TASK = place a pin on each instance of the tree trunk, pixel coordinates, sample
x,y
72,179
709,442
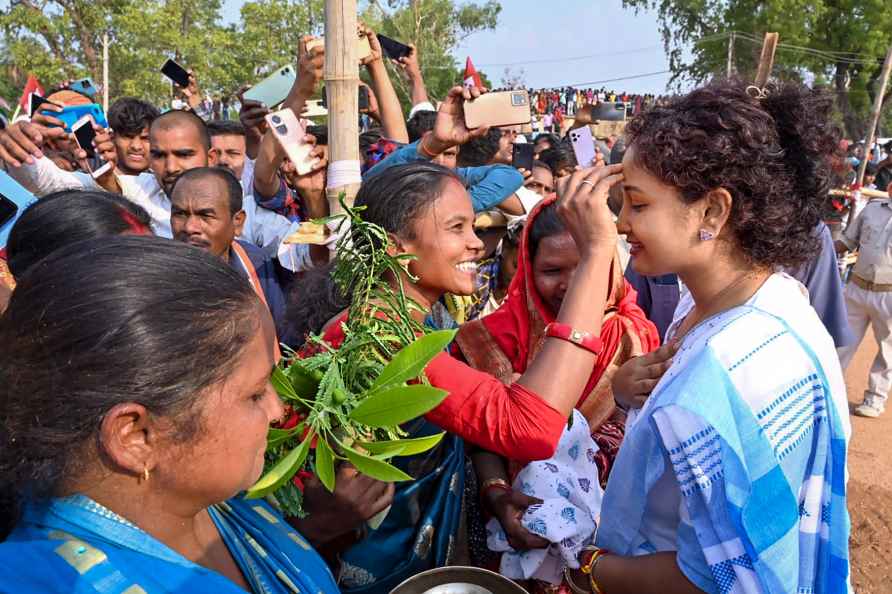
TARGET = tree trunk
x,y
854,127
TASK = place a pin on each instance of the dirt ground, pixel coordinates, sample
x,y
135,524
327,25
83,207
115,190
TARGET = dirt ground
x,y
870,485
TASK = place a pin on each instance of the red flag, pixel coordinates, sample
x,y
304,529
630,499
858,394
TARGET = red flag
x,y
32,86
471,78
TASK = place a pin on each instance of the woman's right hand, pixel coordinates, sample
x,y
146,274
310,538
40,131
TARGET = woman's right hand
x,y
509,507
582,205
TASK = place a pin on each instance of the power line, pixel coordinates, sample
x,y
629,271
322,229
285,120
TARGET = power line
x,y
575,58
607,80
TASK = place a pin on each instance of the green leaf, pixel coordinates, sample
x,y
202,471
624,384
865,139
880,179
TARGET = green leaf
x,y
282,471
282,384
278,436
393,406
325,464
412,359
376,469
403,447
303,380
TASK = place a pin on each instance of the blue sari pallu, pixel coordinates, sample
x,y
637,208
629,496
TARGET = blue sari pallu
x,y
420,530
75,545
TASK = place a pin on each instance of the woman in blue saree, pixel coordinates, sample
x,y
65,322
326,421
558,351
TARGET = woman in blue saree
x,y
135,403
731,478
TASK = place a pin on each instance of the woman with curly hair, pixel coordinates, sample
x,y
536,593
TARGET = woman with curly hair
x,y
732,476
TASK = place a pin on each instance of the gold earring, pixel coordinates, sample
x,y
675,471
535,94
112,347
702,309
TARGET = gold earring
x,y
145,473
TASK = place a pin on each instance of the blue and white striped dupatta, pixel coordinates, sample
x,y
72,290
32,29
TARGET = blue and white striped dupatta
x,y
746,437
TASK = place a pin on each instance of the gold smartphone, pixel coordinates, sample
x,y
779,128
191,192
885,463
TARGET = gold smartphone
x,y
506,108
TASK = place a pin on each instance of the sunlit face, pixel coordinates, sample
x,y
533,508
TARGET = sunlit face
x,y
448,158
658,225
446,247
226,456
175,150
541,181
553,267
200,215
230,150
132,151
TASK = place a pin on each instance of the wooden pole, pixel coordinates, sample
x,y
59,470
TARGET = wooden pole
x,y
105,72
342,86
874,121
766,60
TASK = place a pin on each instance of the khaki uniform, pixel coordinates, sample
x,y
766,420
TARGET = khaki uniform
x,y
869,293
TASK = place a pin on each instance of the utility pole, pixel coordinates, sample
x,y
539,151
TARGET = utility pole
x,y
105,89
730,54
342,84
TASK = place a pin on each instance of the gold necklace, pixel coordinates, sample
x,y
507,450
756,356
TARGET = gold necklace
x,y
716,299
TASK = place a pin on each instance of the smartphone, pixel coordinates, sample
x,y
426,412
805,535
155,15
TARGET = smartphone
x,y
290,133
522,156
35,101
273,89
314,109
14,199
363,49
363,98
85,86
71,114
176,73
393,48
583,146
506,108
84,134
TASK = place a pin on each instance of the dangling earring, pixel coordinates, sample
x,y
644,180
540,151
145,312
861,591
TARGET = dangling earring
x,y
145,473
706,235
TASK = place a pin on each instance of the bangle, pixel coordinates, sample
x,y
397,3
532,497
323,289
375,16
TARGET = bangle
x,y
494,483
590,567
580,338
424,152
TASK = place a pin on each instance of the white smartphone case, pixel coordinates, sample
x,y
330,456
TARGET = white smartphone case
x,y
583,146
290,134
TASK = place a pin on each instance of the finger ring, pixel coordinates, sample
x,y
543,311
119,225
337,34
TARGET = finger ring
x,y
585,181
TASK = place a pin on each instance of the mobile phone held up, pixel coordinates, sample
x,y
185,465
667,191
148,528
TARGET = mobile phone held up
x,y
583,146
506,108
393,48
14,199
73,113
522,156
289,132
363,48
84,86
273,89
84,134
176,73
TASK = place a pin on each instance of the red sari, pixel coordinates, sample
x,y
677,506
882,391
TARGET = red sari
x,y
506,341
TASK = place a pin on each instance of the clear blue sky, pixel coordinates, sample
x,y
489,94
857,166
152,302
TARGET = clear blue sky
x,y
621,43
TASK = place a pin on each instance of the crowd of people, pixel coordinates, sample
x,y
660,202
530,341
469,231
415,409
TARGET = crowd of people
x,y
644,392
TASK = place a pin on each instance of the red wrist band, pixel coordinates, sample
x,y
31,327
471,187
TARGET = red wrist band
x,y
585,340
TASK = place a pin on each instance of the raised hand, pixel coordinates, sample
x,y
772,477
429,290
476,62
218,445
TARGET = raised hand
x,y
23,142
450,129
636,378
582,205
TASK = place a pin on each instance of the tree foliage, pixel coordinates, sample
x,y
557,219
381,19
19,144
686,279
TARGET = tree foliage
x,y
62,39
840,43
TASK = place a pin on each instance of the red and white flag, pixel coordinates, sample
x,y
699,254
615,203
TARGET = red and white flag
x,y
32,86
471,78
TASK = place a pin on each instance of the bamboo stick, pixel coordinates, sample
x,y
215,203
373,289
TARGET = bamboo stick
x,y
342,86
766,61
